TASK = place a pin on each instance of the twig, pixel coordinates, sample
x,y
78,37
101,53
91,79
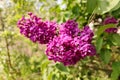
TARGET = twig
x,y
8,52
91,18
7,47
6,41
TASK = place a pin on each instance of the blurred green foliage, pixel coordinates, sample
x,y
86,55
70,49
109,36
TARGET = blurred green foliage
x,y
20,59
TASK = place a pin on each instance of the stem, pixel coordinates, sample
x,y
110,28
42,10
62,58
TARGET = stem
x,y
7,43
91,18
7,47
8,52
2,24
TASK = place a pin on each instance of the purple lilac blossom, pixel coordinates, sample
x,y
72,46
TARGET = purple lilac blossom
x,y
37,30
110,20
63,49
68,47
69,50
86,34
111,30
70,28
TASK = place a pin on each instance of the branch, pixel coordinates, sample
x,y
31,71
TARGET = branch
x,y
7,46
8,52
6,41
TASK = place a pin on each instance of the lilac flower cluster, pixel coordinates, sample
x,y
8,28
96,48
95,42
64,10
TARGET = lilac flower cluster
x,y
70,28
110,20
68,48
37,30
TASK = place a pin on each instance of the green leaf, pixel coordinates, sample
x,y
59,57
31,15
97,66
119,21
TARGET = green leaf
x,y
116,7
44,65
75,9
116,66
54,77
50,76
91,5
101,29
116,70
99,43
61,67
116,11
114,75
116,39
105,6
105,56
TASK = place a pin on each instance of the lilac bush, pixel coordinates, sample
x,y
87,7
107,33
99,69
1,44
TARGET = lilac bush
x,y
67,46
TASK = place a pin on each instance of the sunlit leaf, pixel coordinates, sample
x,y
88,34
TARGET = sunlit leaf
x,y
116,7
44,65
105,6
